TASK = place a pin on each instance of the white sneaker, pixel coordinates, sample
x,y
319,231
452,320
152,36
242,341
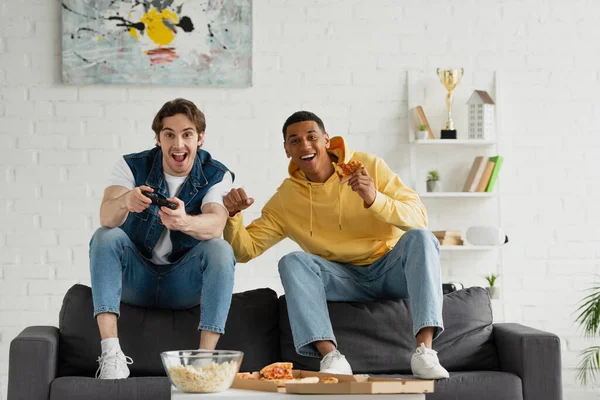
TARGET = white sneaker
x,y
426,365
113,365
335,363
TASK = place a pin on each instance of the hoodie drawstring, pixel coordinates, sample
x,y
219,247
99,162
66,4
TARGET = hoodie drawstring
x,y
311,207
340,207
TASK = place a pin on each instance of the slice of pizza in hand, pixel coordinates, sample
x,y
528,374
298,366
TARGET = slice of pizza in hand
x,y
278,370
345,171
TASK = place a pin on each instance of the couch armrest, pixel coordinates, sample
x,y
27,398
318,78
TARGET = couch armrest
x,y
32,365
534,356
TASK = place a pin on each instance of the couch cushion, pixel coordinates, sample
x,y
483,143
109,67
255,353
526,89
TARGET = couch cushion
x,y
252,327
488,385
376,337
77,388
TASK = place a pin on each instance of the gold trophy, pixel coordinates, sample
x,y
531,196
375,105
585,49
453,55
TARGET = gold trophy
x,y
450,78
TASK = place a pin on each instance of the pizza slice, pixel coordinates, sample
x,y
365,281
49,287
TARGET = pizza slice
x,y
244,375
278,370
283,382
345,171
330,379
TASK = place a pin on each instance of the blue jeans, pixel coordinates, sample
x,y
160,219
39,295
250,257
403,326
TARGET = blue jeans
x,y
410,270
204,275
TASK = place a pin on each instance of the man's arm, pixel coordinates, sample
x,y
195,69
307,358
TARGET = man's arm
x,y
119,201
205,226
263,233
387,197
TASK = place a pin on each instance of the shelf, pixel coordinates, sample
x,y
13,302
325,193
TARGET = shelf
x,y
455,142
467,248
456,194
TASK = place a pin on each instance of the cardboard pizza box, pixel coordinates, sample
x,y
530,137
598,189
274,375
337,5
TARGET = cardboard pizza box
x,y
255,384
347,384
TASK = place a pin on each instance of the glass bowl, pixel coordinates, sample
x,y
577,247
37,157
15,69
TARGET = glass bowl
x,y
202,371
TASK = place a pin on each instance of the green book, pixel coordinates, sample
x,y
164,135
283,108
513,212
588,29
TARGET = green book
x,y
497,165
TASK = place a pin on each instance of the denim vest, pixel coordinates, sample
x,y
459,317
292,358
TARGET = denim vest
x,y
144,229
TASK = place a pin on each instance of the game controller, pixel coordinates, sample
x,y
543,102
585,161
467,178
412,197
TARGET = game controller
x,y
159,200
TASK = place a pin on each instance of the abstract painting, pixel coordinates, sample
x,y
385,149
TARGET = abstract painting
x,y
169,42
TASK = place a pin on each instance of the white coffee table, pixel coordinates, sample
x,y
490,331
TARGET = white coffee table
x,y
244,394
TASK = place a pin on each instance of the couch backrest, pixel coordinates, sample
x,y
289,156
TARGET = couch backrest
x,y
377,337
252,327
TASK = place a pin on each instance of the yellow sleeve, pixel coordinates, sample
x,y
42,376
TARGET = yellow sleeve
x,y
263,233
395,203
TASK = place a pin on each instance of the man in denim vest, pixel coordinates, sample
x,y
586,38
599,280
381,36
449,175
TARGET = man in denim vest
x,y
153,256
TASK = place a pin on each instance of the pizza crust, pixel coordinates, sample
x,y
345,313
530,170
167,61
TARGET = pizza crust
x,y
345,171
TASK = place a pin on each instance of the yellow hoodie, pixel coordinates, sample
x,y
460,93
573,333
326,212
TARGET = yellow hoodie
x,y
328,219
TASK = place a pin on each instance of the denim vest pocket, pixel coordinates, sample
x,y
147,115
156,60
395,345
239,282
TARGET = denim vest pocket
x,y
143,215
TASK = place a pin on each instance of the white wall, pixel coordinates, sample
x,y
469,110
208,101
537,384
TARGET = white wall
x,y
347,61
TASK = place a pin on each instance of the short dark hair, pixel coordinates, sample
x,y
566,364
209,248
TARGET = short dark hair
x,y
301,116
179,106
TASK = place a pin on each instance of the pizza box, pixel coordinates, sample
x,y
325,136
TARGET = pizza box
x,y
347,384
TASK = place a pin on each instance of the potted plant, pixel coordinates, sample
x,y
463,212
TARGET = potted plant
x,y
433,182
492,288
589,317
422,132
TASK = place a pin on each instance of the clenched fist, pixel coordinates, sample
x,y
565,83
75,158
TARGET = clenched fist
x,y
135,201
237,200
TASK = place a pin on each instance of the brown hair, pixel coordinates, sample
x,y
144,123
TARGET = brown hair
x,y
179,106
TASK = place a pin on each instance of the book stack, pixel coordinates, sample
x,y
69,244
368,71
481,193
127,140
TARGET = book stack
x,y
449,238
483,174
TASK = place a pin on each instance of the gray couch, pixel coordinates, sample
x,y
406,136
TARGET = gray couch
x,y
485,360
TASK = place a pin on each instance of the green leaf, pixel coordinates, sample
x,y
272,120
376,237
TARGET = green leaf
x,y
589,365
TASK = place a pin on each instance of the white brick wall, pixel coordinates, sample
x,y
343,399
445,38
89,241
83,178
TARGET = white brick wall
x,y
347,61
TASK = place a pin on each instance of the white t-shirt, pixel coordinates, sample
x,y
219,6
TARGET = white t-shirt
x,y
122,176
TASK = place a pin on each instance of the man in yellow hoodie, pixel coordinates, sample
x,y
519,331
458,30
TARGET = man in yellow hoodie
x,y
362,241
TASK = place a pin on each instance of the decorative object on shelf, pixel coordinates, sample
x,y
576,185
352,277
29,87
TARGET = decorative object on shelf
x,y
483,174
420,114
433,182
175,42
498,161
481,115
450,78
492,289
475,174
449,238
422,133
588,368
484,235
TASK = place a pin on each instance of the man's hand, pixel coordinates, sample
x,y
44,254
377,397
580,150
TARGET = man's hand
x,y
135,201
174,220
362,183
237,200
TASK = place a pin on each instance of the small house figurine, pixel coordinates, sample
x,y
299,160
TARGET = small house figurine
x,y
481,115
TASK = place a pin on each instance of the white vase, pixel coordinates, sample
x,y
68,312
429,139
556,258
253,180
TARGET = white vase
x,y
493,292
434,186
422,135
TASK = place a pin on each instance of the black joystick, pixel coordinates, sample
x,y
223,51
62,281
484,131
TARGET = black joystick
x,y
159,200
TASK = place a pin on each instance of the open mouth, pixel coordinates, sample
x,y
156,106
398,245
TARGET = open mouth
x,y
308,157
179,157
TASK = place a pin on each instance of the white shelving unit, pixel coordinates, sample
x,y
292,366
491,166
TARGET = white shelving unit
x,y
457,194
454,142
453,209
468,248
